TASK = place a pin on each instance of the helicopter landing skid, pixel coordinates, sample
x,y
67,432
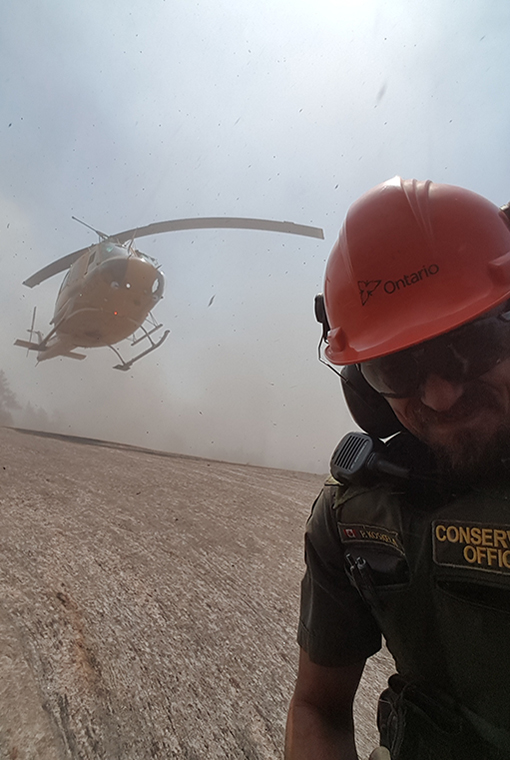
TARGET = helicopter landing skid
x,y
147,333
124,366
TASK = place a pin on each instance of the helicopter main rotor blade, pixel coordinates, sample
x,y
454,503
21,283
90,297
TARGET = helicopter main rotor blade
x,y
174,225
219,222
60,265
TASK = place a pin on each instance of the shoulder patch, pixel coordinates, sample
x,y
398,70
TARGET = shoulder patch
x,y
477,546
373,534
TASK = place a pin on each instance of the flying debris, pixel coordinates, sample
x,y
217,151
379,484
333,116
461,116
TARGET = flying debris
x,y
111,288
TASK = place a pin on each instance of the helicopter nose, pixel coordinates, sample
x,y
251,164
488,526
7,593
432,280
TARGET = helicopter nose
x,y
114,271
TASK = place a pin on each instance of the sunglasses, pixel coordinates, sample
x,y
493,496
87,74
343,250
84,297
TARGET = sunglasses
x,y
461,355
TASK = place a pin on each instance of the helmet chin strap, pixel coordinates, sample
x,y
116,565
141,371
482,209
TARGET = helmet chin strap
x,y
368,408
323,361
322,319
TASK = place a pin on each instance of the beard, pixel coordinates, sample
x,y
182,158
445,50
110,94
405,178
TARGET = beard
x,y
468,453
470,460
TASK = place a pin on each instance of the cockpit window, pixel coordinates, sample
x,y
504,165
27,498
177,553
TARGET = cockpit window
x,y
108,250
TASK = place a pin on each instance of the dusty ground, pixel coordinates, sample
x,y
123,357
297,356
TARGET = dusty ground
x,y
148,604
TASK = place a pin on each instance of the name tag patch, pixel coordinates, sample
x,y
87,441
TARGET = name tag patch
x,y
472,545
371,534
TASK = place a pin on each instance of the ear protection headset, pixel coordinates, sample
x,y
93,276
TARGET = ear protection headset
x,y
368,408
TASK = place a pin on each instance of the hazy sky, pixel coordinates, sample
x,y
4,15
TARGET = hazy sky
x,y
126,112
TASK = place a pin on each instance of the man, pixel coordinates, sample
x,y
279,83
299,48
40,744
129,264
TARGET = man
x,y
417,310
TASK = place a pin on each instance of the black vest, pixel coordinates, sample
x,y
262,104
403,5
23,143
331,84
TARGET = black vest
x,y
435,570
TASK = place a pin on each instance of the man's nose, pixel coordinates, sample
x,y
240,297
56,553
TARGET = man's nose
x,y
440,394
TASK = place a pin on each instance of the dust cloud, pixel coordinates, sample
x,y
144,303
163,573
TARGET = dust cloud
x,y
226,405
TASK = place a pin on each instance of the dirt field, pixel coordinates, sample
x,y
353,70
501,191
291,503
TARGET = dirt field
x,y
148,604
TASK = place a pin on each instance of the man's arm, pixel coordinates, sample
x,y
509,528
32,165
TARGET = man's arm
x,y
319,724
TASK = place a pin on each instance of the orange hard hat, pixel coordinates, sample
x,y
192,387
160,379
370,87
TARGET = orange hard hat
x,y
413,260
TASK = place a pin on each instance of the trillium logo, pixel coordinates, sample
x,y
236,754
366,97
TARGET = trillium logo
x,y
366,288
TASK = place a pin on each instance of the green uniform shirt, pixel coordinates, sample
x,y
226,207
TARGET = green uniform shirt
x,y
437,587
336,627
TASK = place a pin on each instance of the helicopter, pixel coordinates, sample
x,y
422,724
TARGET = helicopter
x,y
111,288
